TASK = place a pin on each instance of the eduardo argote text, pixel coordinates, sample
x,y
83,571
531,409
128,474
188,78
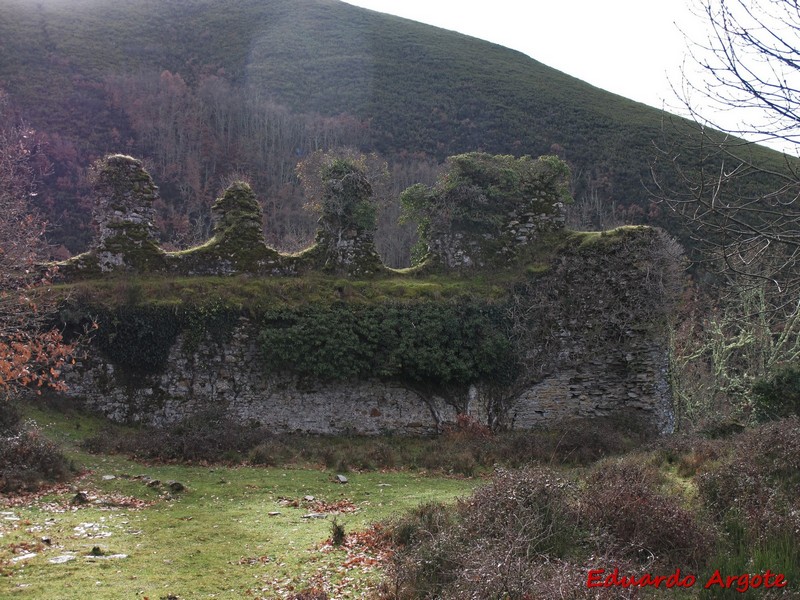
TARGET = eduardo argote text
x,y
741,583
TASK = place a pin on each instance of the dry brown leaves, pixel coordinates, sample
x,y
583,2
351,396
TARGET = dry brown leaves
x,y
62,494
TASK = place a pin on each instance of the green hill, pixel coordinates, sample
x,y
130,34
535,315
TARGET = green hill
x,y
253,85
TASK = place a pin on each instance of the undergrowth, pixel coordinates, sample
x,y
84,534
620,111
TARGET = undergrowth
x,y
460,450
689,503
27,458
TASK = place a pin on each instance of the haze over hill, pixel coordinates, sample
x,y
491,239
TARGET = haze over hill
x,y
204,90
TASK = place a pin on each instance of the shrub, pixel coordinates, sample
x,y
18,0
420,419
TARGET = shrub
x,y
206,436
760,478
778,397
467,426
9,418
383,455
426,520
498,543
27,460
265,454
621,499
527,512
338,533
690,453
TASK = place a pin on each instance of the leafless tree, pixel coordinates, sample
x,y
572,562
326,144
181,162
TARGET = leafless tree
x,y
749,63
739,202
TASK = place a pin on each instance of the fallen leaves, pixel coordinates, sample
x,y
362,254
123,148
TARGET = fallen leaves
x,y
366,549
338,507
320,506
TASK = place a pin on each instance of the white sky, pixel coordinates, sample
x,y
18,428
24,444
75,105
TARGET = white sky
x,y
629,47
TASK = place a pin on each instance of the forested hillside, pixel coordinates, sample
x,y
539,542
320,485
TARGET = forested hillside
x,y
206,91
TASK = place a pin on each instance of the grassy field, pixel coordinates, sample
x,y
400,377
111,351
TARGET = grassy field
x,y
587,497
232,533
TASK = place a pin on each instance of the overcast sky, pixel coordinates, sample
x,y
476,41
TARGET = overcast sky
x,y
629,47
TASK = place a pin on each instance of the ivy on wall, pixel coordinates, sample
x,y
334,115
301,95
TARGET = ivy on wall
x,y
422,343
138,338
432,344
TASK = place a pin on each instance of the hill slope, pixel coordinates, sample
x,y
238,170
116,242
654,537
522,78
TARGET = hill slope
x,y
316,73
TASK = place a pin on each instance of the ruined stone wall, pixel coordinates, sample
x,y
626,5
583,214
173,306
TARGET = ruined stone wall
x,y
586,317
124,194
486,209
591,339
231,376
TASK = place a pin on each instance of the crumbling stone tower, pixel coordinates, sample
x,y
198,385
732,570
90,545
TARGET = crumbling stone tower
x,y
486,209
345,239
124,195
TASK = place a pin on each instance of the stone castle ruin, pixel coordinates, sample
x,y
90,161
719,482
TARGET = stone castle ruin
x,y
575,326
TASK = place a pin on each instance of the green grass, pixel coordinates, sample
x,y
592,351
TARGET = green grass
x,y
278,292
215,540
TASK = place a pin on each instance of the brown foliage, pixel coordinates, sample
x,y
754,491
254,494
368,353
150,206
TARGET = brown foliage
x,y
31,354
621,498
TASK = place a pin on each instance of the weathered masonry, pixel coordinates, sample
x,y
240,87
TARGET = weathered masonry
x,y
510,318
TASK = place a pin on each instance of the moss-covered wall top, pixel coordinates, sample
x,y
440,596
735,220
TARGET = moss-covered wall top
x,y
483,211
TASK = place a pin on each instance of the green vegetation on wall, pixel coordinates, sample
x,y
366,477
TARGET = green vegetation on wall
x,y
429,344
137,338
482,194
442,346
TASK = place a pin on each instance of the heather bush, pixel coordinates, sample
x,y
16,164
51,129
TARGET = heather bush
x,y
27,460
622,499
495,544
528,513
759,477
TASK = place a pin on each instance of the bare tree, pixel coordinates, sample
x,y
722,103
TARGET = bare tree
x,y
749,63
739,201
